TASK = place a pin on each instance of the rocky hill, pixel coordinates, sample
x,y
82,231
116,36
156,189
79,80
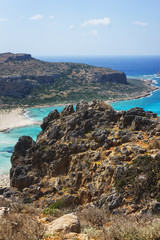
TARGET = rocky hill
x,y
26,80
92,155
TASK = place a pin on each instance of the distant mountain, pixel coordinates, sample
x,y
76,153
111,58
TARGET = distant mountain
x,y
26,80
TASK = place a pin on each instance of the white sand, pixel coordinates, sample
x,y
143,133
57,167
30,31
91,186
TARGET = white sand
x,y
4,181
14,118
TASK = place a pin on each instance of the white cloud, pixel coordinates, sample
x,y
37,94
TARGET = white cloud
x,y
3,20
96,22
71,26
36,17
51,17
94,32
140,23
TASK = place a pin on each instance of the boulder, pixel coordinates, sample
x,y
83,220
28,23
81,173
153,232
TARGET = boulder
x,y
3,211
66,223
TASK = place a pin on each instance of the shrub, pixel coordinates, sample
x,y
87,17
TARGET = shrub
x,y
93,216
53,208
21,223
141,178
133,228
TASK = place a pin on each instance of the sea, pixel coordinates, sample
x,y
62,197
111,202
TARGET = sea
x,y
135,67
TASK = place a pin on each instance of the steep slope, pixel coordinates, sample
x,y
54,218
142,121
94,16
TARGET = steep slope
x,y
94,154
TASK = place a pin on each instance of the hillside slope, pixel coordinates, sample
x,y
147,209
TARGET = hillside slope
x,y
26,80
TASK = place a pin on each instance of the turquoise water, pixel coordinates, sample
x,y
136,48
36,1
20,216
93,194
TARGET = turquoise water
x,y
38,114
135,67
149,103
7,142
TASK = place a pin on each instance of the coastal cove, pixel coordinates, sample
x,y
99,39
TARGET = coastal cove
x,y
33,115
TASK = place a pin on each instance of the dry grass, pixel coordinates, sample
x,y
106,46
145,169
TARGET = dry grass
x,y
98,225
133,228
93,216
20,223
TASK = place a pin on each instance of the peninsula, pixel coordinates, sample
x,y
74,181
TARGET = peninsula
x,y
26,81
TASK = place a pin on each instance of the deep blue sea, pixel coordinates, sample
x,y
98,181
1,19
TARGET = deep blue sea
x,y
143,67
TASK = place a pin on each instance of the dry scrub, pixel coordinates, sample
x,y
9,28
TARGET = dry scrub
x,y
97,224
20,223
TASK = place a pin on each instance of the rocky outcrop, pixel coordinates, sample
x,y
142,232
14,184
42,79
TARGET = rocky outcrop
x,y
18,57
113,77
92,155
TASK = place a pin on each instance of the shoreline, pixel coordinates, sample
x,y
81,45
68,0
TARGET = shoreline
x,y
145,94
14,118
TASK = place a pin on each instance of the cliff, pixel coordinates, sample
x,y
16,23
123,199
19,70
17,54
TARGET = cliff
x,y
92,155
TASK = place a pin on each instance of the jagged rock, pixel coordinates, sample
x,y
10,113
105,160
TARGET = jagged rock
x,y
66,223
44,123
23,144
136,111
82,106
155,208
67,110
54,114
82,155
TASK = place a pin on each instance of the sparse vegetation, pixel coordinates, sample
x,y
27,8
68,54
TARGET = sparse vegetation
x,y
20,222
141,177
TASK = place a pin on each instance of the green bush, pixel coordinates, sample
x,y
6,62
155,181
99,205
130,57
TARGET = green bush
x,y
53,208
141,178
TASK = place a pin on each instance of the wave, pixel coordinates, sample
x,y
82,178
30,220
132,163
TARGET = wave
x,y
26,115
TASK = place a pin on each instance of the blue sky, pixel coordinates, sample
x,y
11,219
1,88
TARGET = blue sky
x,y
80,27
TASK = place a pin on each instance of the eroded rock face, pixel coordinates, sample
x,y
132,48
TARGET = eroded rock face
x,y
94,154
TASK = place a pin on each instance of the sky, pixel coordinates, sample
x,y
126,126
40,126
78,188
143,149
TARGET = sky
x,y
80,27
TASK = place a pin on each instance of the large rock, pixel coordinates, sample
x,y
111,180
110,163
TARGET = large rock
x,y
66,223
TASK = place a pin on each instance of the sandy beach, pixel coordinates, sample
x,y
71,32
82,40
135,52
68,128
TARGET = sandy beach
x,y
14,118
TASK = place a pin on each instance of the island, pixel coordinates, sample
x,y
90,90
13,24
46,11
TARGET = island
x,y
26,81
